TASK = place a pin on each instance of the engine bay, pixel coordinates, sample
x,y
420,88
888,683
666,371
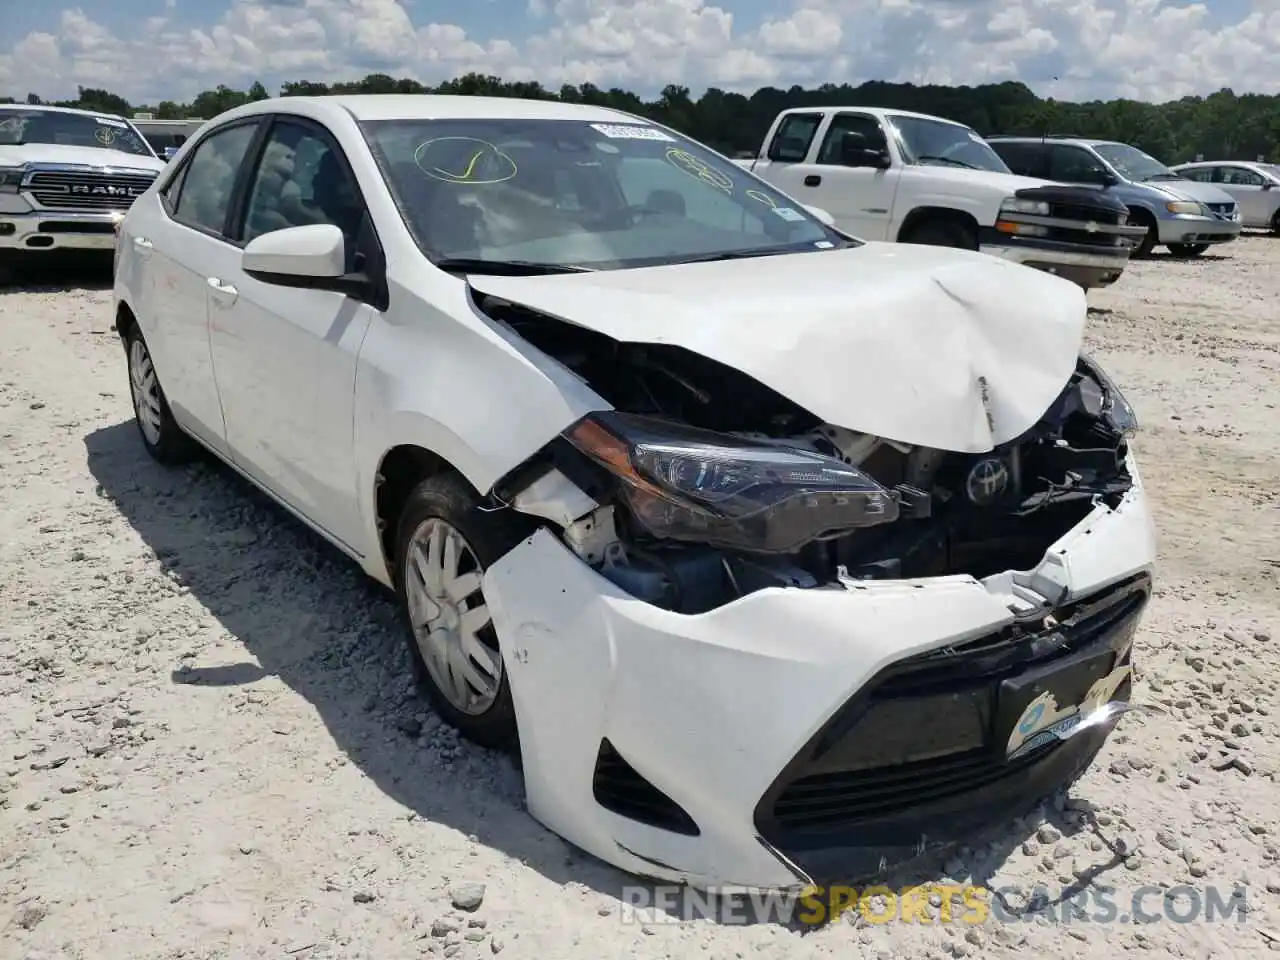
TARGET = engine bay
x,y
955,513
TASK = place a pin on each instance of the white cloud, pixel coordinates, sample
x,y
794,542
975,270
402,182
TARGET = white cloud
x,y
1145,49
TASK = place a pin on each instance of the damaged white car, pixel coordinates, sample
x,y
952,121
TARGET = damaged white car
x,y
779,556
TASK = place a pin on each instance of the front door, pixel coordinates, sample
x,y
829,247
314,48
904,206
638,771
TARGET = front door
x,y
286,356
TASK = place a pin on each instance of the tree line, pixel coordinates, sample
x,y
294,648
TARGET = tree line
x,y
1221,126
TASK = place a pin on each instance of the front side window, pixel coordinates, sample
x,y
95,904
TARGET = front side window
x,y
1132,164
204,195
301,181
22,125
1024,159
863,127
946,144
1072,164
578,194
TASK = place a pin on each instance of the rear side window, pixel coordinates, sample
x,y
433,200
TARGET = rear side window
x,y
210,177
1024,159
795,133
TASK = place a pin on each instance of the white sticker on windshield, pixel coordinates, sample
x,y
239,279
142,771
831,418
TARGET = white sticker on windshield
x,y
622,131
112,123
824,244
788,213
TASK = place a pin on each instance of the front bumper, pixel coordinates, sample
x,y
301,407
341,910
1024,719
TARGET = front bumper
x,y
1096,263
51,230
664,743
1197,230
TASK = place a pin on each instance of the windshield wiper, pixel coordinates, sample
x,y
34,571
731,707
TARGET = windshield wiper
x,y
739,255
1167,175
958,163
509,268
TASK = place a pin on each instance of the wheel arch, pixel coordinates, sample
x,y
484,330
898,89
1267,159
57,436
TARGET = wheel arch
x,y
935,214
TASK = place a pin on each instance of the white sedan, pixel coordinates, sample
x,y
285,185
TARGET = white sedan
x,y
1254,186
777,555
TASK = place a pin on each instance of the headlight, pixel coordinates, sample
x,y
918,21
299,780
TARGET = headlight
x,y
1115,408
1034,207
682,483
11,179
1186,207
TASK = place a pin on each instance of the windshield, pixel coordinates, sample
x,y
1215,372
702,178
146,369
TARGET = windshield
x,y
33,125
1132,164
572,193
946,144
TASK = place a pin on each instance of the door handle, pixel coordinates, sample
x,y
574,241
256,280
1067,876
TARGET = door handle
x,y
142,243
223,291
812,180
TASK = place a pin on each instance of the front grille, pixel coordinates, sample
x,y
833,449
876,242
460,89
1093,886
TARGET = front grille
x,y
922,737
86,190
1223,211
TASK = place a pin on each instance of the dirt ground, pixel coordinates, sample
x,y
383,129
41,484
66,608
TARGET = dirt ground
x,y
210,747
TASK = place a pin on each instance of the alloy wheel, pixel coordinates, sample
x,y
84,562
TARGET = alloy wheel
x,y
146,391
451,622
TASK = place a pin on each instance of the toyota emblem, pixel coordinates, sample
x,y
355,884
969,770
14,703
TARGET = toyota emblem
x,y
987,481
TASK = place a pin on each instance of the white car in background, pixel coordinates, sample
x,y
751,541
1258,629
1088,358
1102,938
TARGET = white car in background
x,y
1255,187
67,177
777,555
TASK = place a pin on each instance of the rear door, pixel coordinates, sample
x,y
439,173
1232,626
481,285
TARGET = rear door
x,y
183,245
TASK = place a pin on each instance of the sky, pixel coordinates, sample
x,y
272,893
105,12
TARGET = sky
x,y
149,50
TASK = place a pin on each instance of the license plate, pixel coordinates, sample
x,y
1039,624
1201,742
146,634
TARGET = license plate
x,y
1043,704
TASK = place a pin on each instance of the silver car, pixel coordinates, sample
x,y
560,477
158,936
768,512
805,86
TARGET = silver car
x,y
1255,187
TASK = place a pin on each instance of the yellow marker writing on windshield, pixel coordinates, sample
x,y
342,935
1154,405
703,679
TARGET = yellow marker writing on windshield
x,y
466,174
764,198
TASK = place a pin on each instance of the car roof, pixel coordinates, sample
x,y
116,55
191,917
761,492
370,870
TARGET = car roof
x,y
408,106
877,112
1218,163
49,108
1080,141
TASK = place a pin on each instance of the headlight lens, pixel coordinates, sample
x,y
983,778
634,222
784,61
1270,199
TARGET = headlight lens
x,y
1115,408
1185,207
11,179
682,483
1035,207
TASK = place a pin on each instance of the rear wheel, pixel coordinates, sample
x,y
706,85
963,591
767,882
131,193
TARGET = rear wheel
x,y
161,435
1184,251
444,544
1275,222
944,233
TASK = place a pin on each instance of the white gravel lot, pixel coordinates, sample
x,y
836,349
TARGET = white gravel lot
x,y
210,747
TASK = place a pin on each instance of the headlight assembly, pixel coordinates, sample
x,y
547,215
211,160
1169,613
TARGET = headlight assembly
x,y
1115,408
11,179
1035,207
1187,207
683,483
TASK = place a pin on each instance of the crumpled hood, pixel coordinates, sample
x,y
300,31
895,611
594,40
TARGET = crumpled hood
x,y
62,153
923,345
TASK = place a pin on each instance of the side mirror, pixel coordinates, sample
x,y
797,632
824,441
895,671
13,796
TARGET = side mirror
x,y
821,214
1101,175
310,256
854,152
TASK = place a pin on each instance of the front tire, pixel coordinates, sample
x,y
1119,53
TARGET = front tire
x,y
1141,218
164,440
1185,251
444,544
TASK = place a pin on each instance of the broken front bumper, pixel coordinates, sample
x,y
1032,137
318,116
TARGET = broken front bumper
x,y
762,744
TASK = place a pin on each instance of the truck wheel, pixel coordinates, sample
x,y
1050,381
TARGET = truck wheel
x,y
943,233
1184,251
1140,218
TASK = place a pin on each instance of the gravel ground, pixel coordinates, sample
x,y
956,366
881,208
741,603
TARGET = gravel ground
x,y
209,746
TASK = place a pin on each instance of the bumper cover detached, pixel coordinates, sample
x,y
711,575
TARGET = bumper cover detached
x,y
729,750
59,230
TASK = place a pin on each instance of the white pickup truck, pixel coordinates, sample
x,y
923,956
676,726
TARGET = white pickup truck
x,y
66,178
912,178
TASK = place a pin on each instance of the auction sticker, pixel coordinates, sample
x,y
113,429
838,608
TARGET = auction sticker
x,y
623,131
788,213
107,121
